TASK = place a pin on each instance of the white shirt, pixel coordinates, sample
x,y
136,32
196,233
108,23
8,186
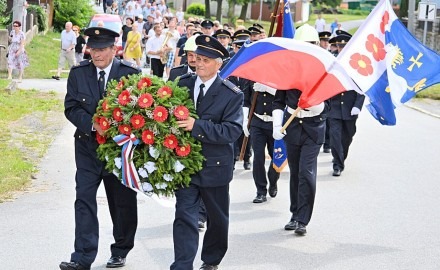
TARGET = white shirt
x,y
207,84
320,25
107,72
154,44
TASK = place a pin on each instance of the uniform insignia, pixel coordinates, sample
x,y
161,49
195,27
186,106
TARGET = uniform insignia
x,y
187,75
232,86
207,39
83,63
129,64
97,32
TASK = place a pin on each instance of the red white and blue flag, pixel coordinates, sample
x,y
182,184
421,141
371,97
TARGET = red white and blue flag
x,y
388,63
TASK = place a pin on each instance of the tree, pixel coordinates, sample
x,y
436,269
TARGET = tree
x,y
78,12
331,3
207,9
219,10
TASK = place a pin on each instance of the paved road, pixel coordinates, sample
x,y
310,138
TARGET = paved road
x,y
382,213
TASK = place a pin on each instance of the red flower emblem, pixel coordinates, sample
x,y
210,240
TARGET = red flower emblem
x,y
148,137
183,151
362,64
170,141
144,82
120,85
117,114
181,112
105,106
103,123
137,121
124,129
376,47
100,139
384,22
124,98
145,100
160,114
164,92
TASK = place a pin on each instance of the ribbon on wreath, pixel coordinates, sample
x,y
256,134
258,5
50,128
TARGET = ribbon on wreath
x,y
130,177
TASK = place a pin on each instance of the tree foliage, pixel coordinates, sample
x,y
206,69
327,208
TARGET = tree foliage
x,y
41,17
331,3
196,9
78,12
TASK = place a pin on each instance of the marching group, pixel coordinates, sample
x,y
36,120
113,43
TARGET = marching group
x,y
227,110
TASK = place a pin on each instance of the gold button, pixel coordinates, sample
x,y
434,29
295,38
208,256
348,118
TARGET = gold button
x,y
264,95
218,162
264,113
342,102
342,94
79,136
264,103
84,99
300,121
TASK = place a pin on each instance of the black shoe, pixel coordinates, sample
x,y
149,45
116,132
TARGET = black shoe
x,y
201,224
301,229
247,165
72,266
208,267
115,262
56,77
260,199
337,172
273,190
291,226
326,150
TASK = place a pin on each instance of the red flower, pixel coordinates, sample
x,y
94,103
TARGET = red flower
x,y
160,114
137,121
117,114
103,123
183,151
164,92
105,106
120,85
181,112
124,129
124,98
384,22
376,47
148,137
145,100
362,64
170,141
144,82
100,139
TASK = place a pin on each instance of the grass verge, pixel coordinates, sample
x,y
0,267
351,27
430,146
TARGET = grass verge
x,y
28,120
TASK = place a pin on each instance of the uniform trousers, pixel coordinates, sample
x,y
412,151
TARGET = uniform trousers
x,y
122,205
341,136
303,163
185,227
157,67
237,148
327,144
262,138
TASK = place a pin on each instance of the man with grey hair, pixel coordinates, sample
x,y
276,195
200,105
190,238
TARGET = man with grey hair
x,y
67,53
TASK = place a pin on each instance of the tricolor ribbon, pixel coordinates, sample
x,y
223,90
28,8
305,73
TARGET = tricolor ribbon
x,y
130,177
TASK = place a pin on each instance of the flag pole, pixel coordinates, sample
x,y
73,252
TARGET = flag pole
x,y
290,119
254,98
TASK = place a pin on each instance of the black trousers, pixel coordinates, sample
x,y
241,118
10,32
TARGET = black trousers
x,y
185,228
262,139
341,136
303,164
237,148
157,67
327,144
122,204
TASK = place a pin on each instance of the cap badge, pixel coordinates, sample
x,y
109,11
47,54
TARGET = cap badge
x,y
97,32
207,39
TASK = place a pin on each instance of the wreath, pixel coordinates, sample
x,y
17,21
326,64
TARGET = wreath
x,y
142,144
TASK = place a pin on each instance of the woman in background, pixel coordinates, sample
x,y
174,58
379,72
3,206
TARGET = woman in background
x,y
133,45
17,57
80,44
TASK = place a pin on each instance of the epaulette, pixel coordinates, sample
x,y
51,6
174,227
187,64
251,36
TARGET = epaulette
x,y
129,64
231,86
186,75
181,66
83,63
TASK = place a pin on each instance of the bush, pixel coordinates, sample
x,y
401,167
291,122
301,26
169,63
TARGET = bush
x,y
41,17
78,12
196,9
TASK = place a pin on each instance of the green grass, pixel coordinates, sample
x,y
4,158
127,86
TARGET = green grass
x,y
432,92
27,122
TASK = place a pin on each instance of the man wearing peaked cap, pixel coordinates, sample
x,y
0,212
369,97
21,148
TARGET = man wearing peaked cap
x,y
259,26
341,41
207,27
218,105
342,32
255,33
323,39
85,88
224,37
238,39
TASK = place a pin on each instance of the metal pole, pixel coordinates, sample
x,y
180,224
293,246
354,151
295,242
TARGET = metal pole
x,y
17,10
261,11
411,16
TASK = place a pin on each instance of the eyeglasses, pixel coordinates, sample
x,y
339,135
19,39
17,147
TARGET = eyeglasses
x,y
75,30
16,26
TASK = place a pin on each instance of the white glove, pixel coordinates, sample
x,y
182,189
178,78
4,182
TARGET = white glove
x,y
355,111
246,121
258,87
277,116
312,111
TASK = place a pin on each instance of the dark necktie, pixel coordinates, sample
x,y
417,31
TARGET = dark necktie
x,y
101,83
200,96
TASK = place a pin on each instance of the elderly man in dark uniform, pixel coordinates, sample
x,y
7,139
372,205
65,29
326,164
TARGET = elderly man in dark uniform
x,y
219,107
85,88
304,137
344,110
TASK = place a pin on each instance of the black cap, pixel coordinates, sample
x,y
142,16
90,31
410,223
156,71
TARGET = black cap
x,y
259,26
210,47
207,24
332,41
241,36
100,37
197,33
196,22
324,35
342,39
222,33
254,30
342,32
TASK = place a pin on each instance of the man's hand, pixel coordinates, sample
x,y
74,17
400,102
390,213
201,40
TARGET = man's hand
x,y
187,124
98,129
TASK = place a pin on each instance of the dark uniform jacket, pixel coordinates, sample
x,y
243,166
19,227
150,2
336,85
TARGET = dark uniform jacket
x,y
313,126
178,71
263,106
218,127
342,103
